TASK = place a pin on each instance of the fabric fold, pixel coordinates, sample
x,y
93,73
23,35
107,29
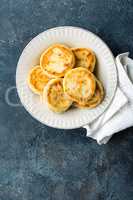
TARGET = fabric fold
x,y
119,114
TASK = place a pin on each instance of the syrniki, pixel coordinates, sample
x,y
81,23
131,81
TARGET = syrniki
x,y
79,84
57,60
55,97
85,57
37,80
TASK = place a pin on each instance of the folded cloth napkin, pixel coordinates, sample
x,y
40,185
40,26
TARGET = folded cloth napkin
x,y
119,114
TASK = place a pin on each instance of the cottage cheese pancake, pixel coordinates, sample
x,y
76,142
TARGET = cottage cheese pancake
x,y
85,57
79,84
57,60
37,80
55,97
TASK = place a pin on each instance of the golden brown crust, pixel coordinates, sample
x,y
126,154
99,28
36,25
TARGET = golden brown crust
x,y
55,97
37,80
57,60
79,84
96,99
85,57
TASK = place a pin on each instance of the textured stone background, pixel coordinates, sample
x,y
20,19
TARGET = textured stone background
x,y
42,163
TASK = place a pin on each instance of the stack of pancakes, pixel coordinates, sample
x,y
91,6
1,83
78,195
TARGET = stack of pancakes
x,y
65,77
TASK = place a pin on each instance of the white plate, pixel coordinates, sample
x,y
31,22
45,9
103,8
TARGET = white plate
x,y
75,37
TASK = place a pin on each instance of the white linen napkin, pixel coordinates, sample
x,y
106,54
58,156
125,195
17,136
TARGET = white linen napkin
x,y
119,114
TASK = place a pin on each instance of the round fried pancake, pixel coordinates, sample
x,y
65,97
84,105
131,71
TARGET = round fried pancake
x,y
37,80
55,97
96,99
79,84
85,57
57,60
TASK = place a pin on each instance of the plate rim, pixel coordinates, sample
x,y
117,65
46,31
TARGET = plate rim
x,y
111,98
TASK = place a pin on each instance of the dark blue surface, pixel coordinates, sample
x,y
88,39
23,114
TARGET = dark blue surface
x,y
42,163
